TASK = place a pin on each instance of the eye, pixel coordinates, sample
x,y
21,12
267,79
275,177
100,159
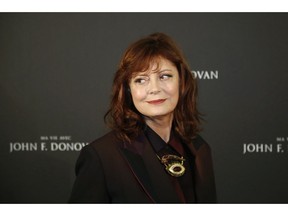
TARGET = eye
x,y
165,76
141,80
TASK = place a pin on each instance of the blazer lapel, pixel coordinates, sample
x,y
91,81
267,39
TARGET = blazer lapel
x,y
149,172
203,171
137,166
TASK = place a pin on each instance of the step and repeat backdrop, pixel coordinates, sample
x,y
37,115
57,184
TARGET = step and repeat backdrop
x,y
56,72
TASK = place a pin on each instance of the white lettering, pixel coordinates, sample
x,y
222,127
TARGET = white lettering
x,y
23,146
205,74
67,146
43,146
279,148
258,147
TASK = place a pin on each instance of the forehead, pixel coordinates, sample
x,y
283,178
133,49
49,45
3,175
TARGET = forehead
x,y
156,65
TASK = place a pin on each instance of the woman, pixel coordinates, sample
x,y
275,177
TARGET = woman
x,y
154,153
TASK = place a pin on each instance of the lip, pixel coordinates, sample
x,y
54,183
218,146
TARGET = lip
x,y
155,102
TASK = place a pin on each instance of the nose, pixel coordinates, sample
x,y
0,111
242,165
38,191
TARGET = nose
x,y
154,86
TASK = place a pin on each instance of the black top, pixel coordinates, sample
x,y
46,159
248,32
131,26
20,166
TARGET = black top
x,y
184,185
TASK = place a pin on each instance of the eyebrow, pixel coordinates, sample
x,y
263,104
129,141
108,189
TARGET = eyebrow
x,y
146,74
163,70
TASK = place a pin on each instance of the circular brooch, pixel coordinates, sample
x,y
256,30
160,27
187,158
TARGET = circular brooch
x,y
173,164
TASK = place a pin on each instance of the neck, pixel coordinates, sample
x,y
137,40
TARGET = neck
x,y
161,125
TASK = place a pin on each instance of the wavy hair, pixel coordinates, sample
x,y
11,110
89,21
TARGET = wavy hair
x,y
122,115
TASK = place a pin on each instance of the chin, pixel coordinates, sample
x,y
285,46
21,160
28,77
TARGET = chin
x,y
157,114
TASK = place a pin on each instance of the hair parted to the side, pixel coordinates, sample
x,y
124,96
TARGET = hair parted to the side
x,y
122,115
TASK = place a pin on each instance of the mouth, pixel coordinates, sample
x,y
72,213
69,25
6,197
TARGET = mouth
x,y
155,102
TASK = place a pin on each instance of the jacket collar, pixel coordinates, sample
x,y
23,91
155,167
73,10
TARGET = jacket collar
x,y
148,171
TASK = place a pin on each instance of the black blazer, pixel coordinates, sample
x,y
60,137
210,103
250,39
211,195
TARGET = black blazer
x,y
111,171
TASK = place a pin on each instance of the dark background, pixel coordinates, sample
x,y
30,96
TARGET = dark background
x,y
56,72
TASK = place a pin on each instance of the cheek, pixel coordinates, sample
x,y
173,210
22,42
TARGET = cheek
x,y
138,94
173,90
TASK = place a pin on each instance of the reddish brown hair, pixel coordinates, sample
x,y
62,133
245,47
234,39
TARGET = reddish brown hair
x,y
124,117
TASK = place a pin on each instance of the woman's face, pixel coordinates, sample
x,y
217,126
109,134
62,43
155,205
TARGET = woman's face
x,y
155,92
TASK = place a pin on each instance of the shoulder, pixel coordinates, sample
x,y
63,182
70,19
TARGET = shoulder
x,y
101,149
199,142
200,146
110,137
105,143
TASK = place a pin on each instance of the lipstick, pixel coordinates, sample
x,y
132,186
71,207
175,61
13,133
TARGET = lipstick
x,y
155,102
